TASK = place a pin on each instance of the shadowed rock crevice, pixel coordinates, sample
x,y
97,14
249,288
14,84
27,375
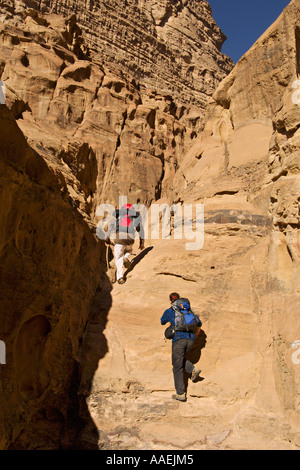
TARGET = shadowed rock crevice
x,y
51,267
28,355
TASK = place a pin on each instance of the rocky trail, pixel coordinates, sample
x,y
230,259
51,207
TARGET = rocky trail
x,y
129,395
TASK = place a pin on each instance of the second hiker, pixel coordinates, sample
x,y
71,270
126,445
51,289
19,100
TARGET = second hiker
x,y
121,233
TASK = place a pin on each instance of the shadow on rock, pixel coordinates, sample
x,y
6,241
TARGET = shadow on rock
x,y
93,348
194,355
137,259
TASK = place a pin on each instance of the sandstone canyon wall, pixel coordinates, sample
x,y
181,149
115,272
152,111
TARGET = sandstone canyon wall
x,y
244,168
51,266
76,84
245,165
127,101
81,126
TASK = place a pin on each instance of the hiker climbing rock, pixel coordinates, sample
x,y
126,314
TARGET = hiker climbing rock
x,y
184,324
121,233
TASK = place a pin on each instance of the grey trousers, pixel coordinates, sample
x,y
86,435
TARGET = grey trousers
x,y
180,363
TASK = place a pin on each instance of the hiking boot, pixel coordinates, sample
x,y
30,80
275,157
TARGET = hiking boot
x,y
195,374
179,397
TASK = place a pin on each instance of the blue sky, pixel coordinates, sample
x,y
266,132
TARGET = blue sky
x,y
244,21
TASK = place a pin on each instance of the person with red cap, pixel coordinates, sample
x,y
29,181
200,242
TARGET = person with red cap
x,y
121,233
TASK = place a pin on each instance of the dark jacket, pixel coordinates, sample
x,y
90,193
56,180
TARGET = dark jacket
x,y
169,316
125,234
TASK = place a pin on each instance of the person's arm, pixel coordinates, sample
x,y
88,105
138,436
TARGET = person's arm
x,y
140,229
111,228
108,231
167,316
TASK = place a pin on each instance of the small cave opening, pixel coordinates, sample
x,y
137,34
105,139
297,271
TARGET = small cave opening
x,y
27,353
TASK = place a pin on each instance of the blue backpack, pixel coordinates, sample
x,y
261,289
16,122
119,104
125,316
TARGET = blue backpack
x,y
185,318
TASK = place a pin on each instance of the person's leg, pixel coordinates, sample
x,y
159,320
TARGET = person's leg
x,y
178,360
119,255
127,253
189,366
180,364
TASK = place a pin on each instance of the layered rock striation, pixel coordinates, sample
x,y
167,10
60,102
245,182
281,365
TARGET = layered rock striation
x,y
117,130
244,282
169,45
124,101
87,118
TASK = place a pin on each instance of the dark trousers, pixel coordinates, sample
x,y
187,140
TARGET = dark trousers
x,y
180,363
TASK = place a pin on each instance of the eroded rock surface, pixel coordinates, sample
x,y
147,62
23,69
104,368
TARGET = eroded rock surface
x,y
244,282
170,45
95,114
105,117
51,267
94,119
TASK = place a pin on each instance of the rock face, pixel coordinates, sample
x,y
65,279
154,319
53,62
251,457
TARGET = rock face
x,y
170,45
117,131
103,116
51,267
244,282
88,129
